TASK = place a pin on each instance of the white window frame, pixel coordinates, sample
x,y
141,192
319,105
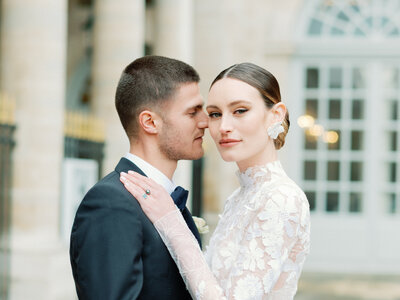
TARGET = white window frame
x,y
371,234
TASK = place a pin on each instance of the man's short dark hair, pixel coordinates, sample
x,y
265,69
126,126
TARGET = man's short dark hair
x,y
147,83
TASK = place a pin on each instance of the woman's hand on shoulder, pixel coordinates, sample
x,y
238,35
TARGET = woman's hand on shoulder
x,y
152,197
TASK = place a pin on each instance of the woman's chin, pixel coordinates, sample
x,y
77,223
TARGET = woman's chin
x,y
228,158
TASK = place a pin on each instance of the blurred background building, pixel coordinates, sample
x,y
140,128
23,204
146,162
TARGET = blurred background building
x,y
338,64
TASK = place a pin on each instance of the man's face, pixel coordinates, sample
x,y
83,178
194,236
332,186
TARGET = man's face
x,y
184,121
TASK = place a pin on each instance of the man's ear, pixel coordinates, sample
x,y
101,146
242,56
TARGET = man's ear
x,y
150,121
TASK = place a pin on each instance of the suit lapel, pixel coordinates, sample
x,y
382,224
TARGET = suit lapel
x,y
126,165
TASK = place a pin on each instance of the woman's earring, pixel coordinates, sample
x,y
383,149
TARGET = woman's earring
x,y
275,129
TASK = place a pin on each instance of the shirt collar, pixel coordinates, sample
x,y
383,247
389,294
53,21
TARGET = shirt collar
x,y
152,172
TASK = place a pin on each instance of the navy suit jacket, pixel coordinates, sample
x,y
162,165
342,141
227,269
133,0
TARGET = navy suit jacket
x,y
115,251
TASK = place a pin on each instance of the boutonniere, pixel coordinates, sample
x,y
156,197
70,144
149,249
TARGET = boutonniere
x,y
201,225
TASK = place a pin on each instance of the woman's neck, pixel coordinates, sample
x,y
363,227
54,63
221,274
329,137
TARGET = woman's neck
x,y
266,156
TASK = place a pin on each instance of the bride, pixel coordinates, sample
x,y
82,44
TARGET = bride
x,y
263,237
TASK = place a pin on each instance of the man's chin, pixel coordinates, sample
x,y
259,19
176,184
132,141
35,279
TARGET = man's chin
x,y
194,156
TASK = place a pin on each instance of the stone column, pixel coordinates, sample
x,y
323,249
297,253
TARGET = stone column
x,y
118,39
174,29
33,73
174,38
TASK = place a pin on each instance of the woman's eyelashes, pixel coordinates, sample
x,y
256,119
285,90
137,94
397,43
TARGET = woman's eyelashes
x,y
214,114
238,111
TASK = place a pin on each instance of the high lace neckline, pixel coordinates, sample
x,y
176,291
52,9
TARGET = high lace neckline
x,y
259,174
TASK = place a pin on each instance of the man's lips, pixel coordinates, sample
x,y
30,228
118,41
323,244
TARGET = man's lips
x,y
228,142
199,137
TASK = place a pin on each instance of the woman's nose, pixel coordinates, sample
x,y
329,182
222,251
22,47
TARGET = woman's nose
x,y
225,125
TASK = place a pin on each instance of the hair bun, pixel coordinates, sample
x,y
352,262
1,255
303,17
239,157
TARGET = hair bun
x,y
280,140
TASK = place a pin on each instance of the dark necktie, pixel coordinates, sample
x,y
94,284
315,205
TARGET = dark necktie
x,y
180,198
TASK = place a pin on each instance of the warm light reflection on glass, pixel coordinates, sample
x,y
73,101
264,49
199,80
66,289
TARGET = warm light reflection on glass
x,y
331,137
305,121
316,130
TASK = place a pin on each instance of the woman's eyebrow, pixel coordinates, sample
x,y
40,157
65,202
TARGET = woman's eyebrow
x,y
236,102
211,106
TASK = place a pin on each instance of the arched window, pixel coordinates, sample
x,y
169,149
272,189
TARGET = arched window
x,y
348,54
355,19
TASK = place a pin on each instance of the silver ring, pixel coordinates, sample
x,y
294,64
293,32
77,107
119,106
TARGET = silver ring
x,y
147,192
144,196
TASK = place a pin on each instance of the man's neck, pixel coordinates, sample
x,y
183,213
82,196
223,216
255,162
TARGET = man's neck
x,y
153,156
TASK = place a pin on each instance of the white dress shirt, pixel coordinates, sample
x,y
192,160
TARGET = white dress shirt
x,y
152,172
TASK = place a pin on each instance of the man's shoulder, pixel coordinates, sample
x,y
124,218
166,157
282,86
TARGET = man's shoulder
x,y
110,181
109,192
107,199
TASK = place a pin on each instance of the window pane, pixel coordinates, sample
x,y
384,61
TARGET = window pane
x,y
332,201
355,6
335,78
392,172
310,142
356,171
356,140
393,140
369,21
333,170
312,78
384,20
315,27
310,170
355,202
359,32
393,109
312,108
357,109
334,109
336,145
392,205
336,31
311,199
394,32
342,16
358,79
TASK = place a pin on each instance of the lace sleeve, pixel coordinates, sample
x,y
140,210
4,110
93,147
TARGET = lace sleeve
x,y
271,254
188,256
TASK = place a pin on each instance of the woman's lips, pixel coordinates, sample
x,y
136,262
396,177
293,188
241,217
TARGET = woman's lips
x,y
228,142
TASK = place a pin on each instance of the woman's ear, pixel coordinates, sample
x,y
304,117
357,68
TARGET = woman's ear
x,y
279,112
149,121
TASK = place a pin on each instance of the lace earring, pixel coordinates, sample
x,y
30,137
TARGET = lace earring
x,y
275,129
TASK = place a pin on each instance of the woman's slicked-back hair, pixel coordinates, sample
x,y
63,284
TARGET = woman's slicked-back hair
x,y
265,83
147,83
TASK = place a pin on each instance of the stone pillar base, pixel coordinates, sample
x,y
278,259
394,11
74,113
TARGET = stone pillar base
x,y
41,271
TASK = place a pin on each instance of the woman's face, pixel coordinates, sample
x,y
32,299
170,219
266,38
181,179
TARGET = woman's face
x,y
238,122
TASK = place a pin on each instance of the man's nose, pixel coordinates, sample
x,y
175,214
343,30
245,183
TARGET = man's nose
x,y
203,120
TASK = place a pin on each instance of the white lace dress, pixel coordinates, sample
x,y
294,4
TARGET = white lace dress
x,y
259,246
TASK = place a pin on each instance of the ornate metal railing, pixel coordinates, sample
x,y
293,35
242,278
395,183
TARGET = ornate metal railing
x,y
7,142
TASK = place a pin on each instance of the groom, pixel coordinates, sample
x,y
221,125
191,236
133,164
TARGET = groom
x,y
115,251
